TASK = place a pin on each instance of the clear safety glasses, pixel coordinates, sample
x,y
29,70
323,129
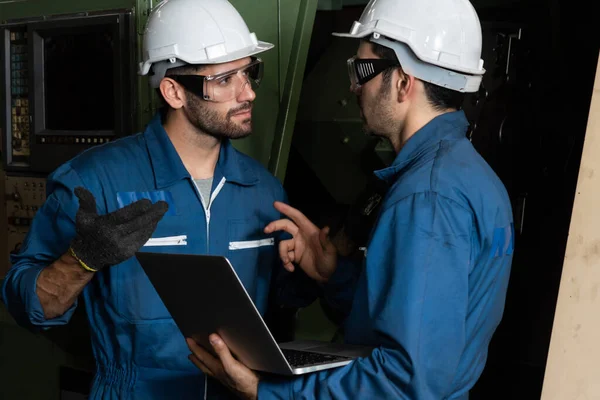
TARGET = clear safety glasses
x,y
224,86
362,70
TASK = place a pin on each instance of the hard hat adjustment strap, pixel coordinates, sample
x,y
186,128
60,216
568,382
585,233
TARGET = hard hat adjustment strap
x,y
159,70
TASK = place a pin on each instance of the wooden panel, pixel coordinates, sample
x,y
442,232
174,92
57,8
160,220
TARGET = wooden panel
x,y
572,367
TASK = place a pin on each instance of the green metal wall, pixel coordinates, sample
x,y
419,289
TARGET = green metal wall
x,y
29,364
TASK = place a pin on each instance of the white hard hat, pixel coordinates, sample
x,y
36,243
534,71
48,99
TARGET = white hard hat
x,y
438,41
180,32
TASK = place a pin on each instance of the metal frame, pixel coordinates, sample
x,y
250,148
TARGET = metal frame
x,y
124,89
5,113
286,118
119,22
38,32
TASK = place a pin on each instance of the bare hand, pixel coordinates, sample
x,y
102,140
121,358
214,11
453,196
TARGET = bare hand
x,y
310,247
234,375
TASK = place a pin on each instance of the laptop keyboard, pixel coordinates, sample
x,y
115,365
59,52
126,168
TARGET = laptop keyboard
x,y
300,359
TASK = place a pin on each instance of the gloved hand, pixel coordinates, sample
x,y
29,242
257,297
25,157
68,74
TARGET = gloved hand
x,y
105,240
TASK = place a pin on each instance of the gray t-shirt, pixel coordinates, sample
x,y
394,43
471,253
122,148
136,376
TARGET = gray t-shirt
x,y
204,186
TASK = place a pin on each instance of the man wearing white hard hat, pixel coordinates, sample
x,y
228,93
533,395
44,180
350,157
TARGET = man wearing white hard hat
x,y
430,291
178,187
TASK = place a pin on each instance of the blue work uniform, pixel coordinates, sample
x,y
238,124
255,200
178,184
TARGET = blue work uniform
x,y
431,289
140,352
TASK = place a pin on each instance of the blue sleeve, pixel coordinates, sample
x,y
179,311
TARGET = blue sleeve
x,y
410,302
339,290
48,238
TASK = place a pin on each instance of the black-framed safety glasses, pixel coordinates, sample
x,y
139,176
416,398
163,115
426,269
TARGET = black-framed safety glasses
x,y
362,70
224,86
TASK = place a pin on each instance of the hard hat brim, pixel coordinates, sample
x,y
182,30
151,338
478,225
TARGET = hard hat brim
x,y
367,33
361,35
259,47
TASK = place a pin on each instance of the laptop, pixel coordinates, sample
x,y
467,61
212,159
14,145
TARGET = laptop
x,y
204,295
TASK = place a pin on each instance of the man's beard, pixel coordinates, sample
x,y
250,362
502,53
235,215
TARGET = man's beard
x,y
365,126
213,124
379,116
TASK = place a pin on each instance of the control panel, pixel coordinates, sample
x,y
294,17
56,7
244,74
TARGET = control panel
x,y
23,196
19,96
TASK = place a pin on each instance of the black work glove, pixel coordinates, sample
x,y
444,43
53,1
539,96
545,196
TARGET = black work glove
x,y
105,240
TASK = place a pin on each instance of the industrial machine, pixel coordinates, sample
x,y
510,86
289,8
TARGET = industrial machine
x,y
23,197
51,108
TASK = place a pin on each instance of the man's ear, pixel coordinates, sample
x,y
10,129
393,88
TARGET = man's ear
x,y
404,86
172,92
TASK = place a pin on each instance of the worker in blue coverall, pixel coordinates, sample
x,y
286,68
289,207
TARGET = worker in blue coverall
x,y
178,187
431,289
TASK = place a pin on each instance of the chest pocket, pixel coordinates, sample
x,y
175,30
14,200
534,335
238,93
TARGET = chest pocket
x,y
252,254
137,300
126,198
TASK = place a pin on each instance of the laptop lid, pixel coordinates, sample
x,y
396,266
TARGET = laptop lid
x,y
204,295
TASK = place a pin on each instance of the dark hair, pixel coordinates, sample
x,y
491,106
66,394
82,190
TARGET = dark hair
x,y
185,69
439,97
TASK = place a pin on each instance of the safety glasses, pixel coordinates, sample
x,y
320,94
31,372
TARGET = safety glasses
x,y
362,70
224,86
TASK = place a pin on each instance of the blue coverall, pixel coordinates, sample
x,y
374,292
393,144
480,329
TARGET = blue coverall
x,y
140,352
431,290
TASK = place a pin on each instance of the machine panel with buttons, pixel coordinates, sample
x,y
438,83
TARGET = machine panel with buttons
x,y
23,196
20,117
37,133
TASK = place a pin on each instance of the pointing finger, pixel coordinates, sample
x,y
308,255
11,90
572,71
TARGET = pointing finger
x,y
282,225
295,215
